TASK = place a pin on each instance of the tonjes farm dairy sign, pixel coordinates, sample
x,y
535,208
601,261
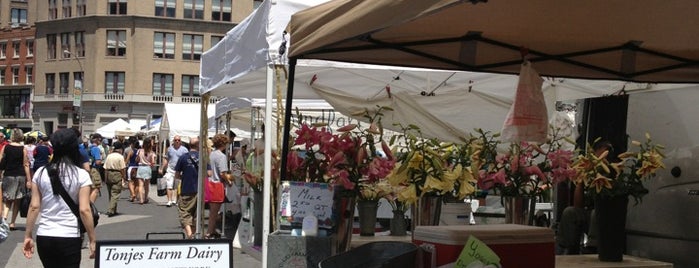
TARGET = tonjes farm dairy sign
x,y
165,253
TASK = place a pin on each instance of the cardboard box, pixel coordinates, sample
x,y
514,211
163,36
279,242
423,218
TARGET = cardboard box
x,y
516,245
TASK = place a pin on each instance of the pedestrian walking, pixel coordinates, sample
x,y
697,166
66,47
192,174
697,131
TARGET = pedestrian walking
x,y
96,163
42,153
115,171
146,161
187,171
132,170
30,145
220,174
169,161
15,182
58,237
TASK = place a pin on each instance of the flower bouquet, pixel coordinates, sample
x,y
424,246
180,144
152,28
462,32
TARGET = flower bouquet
x,y
623,178
430,167
348,158
611,184
523,172
523,169
430,170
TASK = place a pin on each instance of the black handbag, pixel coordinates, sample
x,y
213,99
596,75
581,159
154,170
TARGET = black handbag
x,y
24,204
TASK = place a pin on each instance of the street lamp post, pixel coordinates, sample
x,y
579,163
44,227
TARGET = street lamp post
x,y
78,91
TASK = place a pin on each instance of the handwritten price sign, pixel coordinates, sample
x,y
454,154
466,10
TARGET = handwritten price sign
x,y
300,199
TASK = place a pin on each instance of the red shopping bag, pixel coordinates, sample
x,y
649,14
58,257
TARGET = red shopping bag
x,y
213,192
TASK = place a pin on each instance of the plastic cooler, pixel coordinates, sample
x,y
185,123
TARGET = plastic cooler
x,y
516,245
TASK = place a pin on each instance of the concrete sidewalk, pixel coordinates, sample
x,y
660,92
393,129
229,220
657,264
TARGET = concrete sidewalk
x,y
133,222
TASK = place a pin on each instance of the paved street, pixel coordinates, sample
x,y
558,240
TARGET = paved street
x,y
134,222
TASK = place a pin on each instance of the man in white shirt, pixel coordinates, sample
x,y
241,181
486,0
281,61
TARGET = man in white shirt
x,y
169,161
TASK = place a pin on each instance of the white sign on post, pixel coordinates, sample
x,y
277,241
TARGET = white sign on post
x,y
300,199
179,253
77,93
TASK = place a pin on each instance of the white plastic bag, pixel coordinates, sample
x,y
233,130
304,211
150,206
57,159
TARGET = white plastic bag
x,y
162,186
4,230
527,119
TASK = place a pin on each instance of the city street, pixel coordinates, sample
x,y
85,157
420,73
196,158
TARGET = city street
x,y
133,222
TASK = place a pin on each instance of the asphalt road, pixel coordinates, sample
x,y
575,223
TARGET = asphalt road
x,y
133,223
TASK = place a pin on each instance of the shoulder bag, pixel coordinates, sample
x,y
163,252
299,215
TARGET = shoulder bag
x,y
74,207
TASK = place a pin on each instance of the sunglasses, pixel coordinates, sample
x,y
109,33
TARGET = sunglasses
x,y
176,140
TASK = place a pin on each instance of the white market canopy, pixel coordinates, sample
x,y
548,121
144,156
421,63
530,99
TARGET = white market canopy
x,y
182,119
118,127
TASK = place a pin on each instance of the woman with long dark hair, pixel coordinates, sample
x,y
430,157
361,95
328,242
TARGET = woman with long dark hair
x,y
58,238
132,169
146,161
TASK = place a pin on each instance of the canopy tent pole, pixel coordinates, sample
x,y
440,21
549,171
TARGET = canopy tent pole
x,y
266,192
203,160
287,116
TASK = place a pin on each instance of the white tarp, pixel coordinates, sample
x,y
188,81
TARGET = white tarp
x,y
462,101
251,45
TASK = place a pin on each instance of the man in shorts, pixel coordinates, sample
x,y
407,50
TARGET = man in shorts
x,y
169,161
186,170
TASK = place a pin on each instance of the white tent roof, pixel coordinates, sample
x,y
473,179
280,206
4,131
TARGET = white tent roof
x,y
109,130
182,119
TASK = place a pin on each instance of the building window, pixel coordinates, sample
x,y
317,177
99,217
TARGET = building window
x,y
15,49
78,76
29,74
66,9
190,85
2,76
165,8
19,16
80,44
221,10
192,46
53,10
65,82
194,9
114,82
3,50
51,45
116,43
215,39
164,45
50,84
15,75
117,7
162,84
15,103
65,45
80,8
29,43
